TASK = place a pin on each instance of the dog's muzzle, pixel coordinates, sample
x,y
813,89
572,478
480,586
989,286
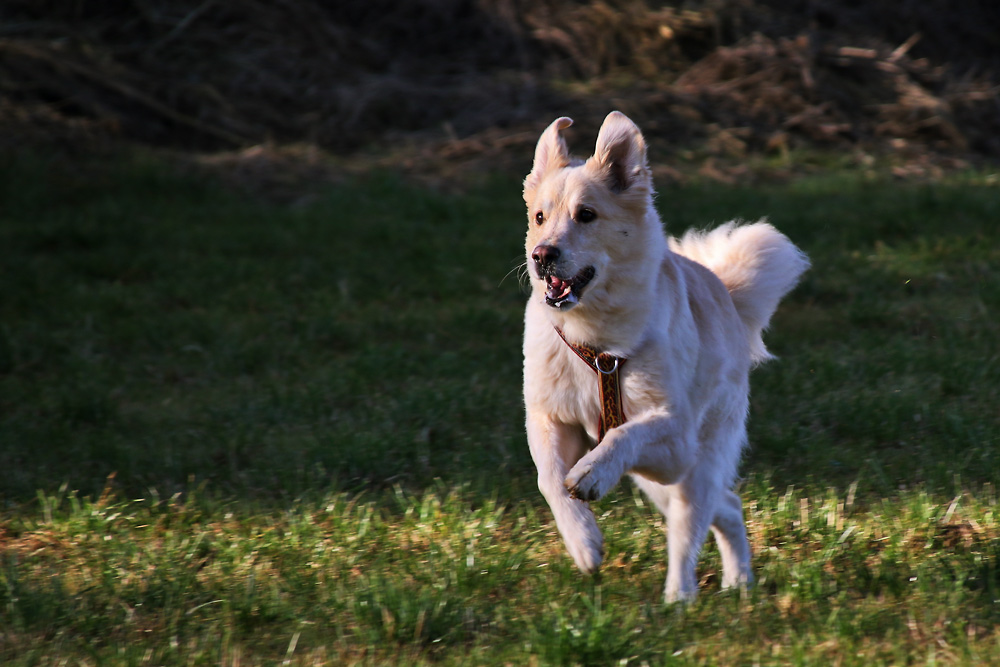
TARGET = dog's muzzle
x,y
560,292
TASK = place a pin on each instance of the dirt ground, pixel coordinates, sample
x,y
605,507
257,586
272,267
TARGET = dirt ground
x,y
474,81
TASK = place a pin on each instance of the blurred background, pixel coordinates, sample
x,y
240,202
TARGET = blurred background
x,y
444,83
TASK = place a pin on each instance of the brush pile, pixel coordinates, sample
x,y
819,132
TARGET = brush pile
x,y
477,76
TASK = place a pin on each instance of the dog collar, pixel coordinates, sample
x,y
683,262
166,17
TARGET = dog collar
x,y
607,366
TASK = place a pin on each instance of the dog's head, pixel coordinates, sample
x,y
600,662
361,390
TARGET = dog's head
x,y
589,223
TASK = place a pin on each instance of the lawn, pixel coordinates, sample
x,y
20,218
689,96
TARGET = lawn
x,y
237,429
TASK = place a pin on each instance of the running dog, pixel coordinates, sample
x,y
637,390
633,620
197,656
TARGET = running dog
x,y
638,349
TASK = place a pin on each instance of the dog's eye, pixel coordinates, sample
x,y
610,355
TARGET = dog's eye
x,y
539,218
585,215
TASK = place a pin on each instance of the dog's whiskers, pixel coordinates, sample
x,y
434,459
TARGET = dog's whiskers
x,y
523,280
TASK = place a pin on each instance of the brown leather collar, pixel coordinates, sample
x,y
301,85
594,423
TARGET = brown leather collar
x,y
607,366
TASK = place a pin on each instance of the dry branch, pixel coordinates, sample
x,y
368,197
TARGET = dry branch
x,y
349,73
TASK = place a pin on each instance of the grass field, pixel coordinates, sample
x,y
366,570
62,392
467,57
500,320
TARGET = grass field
x,y
241,431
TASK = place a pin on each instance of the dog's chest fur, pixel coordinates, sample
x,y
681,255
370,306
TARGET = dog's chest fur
x,y
569,389
561,385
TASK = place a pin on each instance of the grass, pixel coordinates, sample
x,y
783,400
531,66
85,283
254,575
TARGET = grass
x,y
236,431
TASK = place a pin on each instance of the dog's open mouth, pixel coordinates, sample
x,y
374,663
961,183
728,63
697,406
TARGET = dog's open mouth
x,y
565,293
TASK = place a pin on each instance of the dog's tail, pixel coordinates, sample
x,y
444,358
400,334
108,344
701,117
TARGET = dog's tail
x,y
756,263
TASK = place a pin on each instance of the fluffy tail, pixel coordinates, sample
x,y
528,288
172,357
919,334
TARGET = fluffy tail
x,y
756,263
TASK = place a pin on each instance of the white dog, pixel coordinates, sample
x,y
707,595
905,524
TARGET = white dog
x,y
647,338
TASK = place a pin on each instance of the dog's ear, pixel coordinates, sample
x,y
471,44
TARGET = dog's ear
x,y
550,153
621,151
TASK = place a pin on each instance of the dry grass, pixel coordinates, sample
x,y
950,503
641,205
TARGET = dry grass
x,y
456,77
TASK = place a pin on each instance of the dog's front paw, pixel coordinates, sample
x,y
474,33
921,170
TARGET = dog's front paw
x,y
587,551
586,481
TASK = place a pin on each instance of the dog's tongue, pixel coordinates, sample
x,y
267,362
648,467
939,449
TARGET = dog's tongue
x,y
558,288
560,291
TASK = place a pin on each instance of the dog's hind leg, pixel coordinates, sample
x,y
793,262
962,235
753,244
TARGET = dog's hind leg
x,y
688,508
731,536
555,448
692,508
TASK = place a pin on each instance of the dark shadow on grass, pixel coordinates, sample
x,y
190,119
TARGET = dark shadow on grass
x,y
166,329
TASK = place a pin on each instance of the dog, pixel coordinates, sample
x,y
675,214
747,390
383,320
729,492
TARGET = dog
x,y
638,348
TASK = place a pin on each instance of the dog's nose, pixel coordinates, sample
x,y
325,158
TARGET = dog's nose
x,y
545,255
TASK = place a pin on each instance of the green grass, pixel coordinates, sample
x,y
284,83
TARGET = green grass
x,y
235,431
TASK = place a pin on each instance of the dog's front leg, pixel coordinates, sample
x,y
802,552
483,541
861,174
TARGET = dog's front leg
x,y
655,445
555,447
